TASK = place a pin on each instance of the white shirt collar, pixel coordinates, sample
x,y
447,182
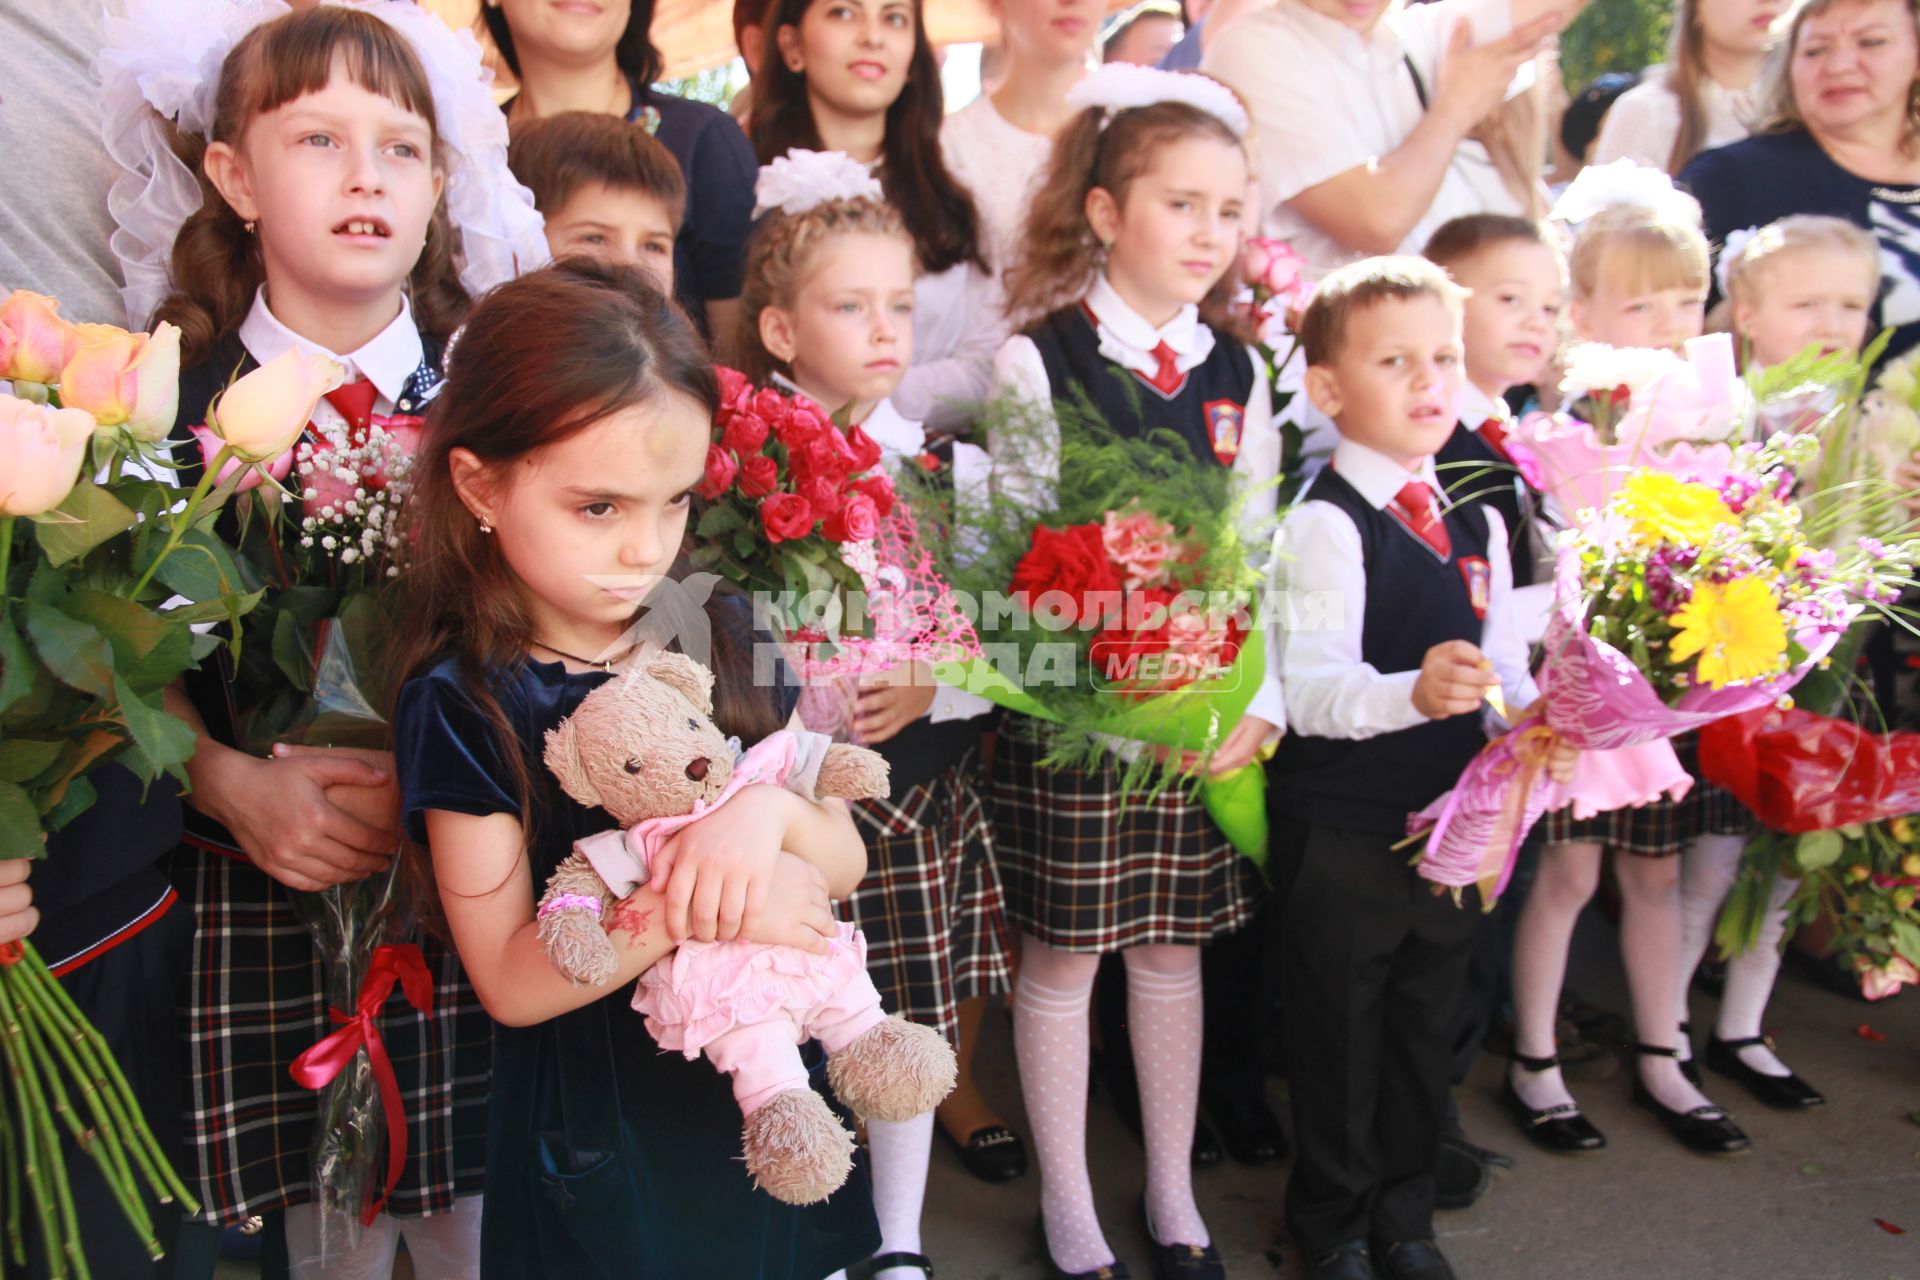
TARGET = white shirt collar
x,y
1476,406
387,361
1128,338
1375,476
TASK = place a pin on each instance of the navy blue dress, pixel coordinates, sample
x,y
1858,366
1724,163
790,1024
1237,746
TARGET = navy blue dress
x,y
605,1156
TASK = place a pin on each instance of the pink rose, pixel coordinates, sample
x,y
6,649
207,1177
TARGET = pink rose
x,y
1139,544
759,475
210,446
34,340
721,469
1272,267
41,449
1877,982
744,434
785,516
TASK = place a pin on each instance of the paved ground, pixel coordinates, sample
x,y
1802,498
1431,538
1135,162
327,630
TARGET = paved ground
x,y
1802,1204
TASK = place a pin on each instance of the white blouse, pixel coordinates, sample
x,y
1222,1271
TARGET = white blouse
x,y
1326,99
1644,121
1001,164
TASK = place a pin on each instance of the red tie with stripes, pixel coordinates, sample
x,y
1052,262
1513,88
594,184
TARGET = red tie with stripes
x,y
1414,505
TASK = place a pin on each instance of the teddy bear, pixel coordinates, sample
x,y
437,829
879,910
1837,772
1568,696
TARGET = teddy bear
x,y
644,748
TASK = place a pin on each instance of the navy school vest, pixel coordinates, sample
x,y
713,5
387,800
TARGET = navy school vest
x,y
1473,473
1414,600
1208,410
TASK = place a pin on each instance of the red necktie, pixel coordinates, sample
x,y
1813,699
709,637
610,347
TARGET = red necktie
x,y
1166,375
1414,505
354,402
1494,432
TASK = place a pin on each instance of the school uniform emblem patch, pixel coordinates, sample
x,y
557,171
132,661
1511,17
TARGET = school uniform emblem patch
x,y
1479,579
1225,421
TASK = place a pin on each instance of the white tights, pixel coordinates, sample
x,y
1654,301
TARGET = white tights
x,y
1708,869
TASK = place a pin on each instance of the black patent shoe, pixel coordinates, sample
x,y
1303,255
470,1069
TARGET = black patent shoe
x,y
1351,1261
1690,1065
993,1153
1181,1261
887,1261
1708,1130
1786,1093
1115,1270
1411,1260
1561,1129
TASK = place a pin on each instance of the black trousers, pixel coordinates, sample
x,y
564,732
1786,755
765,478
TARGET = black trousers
x,y
128,994
1371,964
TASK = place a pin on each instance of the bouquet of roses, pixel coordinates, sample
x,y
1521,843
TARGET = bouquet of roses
x,y
801,511
318,527
1112,615
104,571
1681,601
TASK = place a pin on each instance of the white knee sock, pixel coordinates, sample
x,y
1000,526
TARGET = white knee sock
x,y
900,1150
1566,879
1051,1041
1750,975
1164,1008
1707,871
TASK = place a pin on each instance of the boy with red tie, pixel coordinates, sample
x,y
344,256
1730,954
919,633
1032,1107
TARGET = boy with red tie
x,y
1393,626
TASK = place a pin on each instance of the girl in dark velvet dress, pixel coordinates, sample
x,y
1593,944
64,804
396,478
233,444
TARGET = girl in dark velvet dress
x,y
554,489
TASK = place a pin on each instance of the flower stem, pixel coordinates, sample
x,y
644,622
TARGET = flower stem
x,y
6,553
208,476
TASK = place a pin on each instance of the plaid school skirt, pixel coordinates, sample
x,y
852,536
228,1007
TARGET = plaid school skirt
x,y
1088,869
931,905
1665,827
255,1000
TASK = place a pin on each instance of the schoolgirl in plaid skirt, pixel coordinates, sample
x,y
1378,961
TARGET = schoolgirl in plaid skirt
x,y
270,226
1120,318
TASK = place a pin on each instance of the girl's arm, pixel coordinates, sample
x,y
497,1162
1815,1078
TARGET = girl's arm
x,y
487,892
717,873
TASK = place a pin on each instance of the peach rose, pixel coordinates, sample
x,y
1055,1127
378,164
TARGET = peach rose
x,y
263,413
40,453
121,378
36,341
210,445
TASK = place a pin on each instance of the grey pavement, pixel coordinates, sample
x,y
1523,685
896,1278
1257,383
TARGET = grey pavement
x,y
1800,1206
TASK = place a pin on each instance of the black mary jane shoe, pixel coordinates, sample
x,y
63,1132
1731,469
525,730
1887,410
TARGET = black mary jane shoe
x,y
1561,1129
1350,1261
881,1262
1181,1261
1411,1260
1785,1093
1115,1270
1690,1065
1708,1130
993,1153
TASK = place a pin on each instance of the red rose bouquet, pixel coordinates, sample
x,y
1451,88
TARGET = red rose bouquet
x,y
800,511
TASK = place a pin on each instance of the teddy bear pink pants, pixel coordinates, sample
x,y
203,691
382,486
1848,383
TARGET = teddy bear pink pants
x,y
764,1057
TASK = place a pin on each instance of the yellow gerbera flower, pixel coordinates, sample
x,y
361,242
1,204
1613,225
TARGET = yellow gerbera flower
x,y
1662,507
1734,628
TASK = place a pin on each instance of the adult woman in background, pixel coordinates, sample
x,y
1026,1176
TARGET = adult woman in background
x,y
1703,97
582,58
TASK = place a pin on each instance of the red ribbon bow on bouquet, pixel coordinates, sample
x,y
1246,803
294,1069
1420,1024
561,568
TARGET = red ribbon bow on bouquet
x,y
400,964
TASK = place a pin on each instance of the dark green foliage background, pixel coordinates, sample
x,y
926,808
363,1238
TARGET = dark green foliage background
x,y
1614,35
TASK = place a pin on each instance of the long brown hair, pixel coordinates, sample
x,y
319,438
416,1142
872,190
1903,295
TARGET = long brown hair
x,y
1686,72
1059,256
938,208
541,358
782,252
216,263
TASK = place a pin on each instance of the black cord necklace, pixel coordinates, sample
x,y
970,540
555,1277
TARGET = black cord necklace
x,y
607,663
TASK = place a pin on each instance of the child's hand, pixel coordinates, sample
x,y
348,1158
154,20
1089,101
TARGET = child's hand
x,y
18,916
798,912
1241,745
1454,679
716,873
892,701
1561,757
283,812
